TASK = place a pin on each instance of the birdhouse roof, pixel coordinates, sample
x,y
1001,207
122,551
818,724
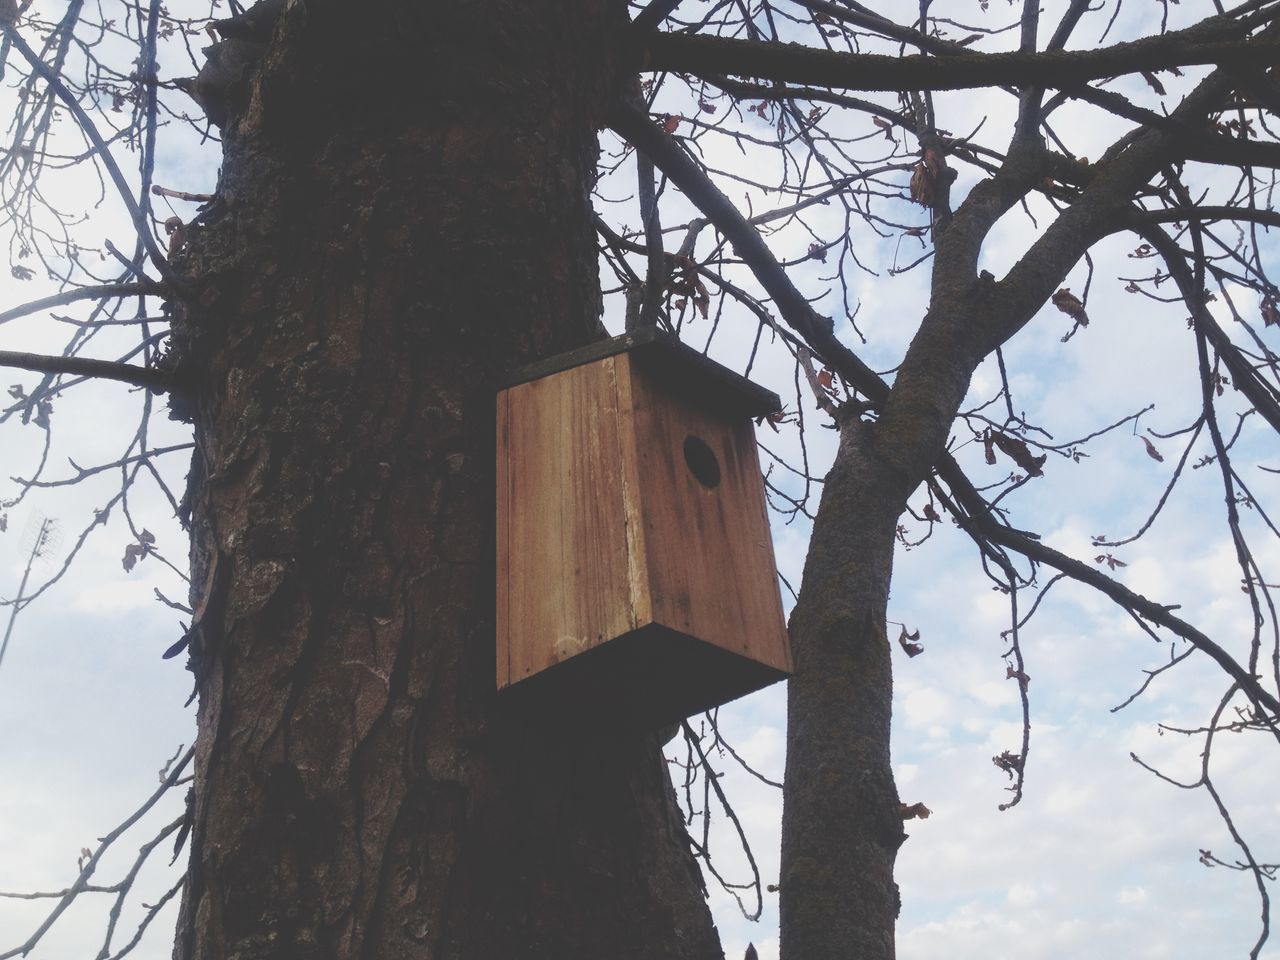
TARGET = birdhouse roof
x,y
676,365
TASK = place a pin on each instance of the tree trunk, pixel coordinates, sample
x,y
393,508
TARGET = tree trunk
x,y
842,819
841,825
403,217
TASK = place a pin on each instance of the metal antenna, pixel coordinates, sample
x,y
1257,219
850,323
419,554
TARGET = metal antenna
x,y
43,538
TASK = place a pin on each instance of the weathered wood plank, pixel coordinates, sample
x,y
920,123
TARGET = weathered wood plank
x,y
566,561
638,582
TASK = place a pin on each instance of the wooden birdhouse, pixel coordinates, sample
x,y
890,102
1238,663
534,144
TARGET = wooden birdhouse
x,y
635,569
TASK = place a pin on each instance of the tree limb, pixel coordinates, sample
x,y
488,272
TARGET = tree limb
x,y
637,129
82,293
987,530
91,134
1205,213
1147,609
149,377
795,63
651,16
1243,376
1102,208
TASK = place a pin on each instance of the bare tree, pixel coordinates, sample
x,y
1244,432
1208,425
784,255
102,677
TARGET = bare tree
x,y
404,214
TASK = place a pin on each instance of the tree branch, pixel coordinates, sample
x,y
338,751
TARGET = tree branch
x,y
795,63
1067,24
91,134
83,293
816,331
986,529
1243,376
637,129
1215,148
104,844
149,377
1102,208
1147,609
1205,213
651,16
756,91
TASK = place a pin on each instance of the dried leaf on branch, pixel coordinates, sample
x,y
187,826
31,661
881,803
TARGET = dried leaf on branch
x,y
914,811
910,642
138,550
1070,304
684,280
1009,762
1270,313
1015,449
924,178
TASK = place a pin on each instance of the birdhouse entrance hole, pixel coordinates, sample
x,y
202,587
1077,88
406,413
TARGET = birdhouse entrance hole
x,y
702,462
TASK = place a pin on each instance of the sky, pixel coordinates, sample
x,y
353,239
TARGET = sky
x,y
1099,858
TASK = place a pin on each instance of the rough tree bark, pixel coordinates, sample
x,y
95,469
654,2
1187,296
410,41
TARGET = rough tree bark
x,y
841,826
403,216
842,822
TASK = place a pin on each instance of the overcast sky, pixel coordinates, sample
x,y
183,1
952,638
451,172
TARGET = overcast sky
x,y
1100,858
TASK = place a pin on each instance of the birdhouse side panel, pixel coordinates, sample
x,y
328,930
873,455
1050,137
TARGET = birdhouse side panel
x,y
564,577
709,553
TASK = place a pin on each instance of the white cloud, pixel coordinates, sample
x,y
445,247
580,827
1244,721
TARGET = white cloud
x,y
1022,895
924,707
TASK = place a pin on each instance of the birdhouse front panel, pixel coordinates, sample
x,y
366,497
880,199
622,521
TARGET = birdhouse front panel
x,y
635,569
709,554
